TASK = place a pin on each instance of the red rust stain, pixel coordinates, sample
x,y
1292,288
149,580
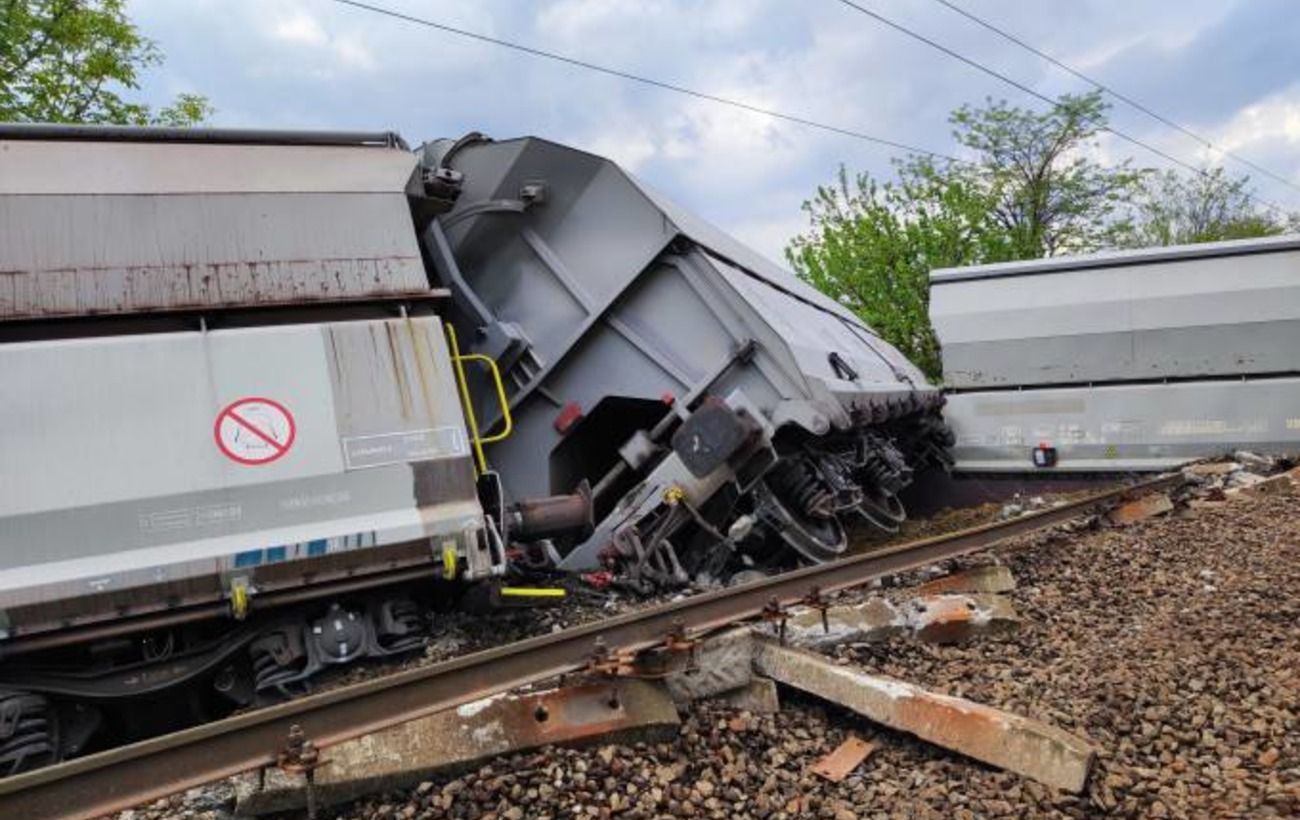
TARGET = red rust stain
x,y
971,729
184,286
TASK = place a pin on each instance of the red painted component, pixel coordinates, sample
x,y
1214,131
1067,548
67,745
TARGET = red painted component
x,y
568,416
598,580
1044,455
668,398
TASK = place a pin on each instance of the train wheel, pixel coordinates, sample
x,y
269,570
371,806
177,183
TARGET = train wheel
x,y
817,538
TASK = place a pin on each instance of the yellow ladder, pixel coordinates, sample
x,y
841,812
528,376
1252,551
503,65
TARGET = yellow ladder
x,y
507,423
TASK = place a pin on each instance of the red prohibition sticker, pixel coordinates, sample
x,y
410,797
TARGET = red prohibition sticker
x,y
254,431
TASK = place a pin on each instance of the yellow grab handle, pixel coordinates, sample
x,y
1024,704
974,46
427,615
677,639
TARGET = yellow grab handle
x,y
508,422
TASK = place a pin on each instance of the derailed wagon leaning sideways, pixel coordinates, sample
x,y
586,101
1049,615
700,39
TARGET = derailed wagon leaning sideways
x,y
726,414
262,391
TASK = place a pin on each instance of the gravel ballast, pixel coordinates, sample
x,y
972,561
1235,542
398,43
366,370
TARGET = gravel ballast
x,y
1172,644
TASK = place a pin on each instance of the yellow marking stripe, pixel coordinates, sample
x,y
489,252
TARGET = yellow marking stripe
x,y
532,592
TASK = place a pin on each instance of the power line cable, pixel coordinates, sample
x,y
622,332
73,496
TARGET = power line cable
x,y
650,81
1112,92
1033,92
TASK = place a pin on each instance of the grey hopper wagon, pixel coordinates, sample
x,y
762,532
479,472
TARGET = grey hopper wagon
x,y
232,447
1120,362
716,403
146,470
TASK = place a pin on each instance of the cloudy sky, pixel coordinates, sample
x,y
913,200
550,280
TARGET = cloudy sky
x,y
1229,69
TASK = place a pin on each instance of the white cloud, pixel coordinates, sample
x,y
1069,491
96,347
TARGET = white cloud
x,y
626,143
587,21
301,28
770,235
1275,119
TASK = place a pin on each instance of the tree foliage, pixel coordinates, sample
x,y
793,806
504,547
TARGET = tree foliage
x,y
1049,195
872,245
1179,209
71,60
1031,187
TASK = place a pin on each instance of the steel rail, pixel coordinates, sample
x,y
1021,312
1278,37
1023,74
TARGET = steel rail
x,y
142,772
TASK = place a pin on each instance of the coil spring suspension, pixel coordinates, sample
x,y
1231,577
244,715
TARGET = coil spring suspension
x,y
399,625
884,469
279,658
928,439
27,732
800,484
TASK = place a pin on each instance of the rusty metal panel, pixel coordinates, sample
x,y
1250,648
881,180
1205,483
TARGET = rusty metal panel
x,y
836,765
92,228
619,711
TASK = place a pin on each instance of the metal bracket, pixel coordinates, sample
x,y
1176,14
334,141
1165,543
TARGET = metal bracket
x,y
817,601
678,642
300,756
653,663
241,596
774,613
609,663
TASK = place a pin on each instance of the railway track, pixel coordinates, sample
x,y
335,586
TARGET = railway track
x,y
139,773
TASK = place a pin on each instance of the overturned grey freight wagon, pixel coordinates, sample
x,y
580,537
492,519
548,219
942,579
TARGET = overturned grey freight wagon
x,y
715,402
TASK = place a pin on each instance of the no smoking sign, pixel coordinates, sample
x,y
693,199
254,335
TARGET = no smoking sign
x,y
254,431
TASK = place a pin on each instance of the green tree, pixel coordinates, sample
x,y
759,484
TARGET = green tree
x,y
1050,196
69,61
871,247
1211,206
1029,190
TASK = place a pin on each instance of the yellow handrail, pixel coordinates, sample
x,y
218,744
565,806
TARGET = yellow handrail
x,y
508,422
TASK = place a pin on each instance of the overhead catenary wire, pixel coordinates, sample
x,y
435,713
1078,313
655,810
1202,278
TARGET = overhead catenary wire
x,y
978,66
1124,98
644,80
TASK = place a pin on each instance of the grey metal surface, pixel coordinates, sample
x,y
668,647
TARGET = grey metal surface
x,y
1229,308
1123,428
119,468
105,227
600,287
1115,259
247,136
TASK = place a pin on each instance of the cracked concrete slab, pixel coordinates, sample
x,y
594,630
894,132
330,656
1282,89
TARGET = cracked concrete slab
x,y
937,618
1029,747
718,664
1143,508
873,620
